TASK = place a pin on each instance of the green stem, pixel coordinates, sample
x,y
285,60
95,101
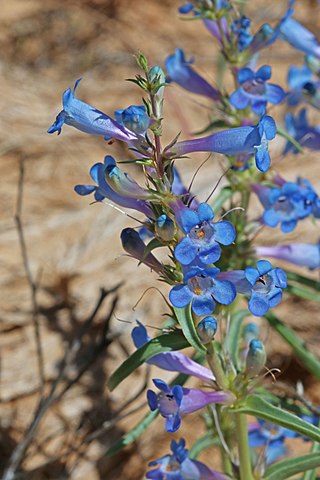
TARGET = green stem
x,y
216,367
243,445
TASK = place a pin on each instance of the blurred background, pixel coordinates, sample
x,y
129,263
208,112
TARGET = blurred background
x,y
61,255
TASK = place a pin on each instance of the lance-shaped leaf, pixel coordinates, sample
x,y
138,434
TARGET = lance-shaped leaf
x,y
257,406
307,358
164,343
185,320
235,334
286,468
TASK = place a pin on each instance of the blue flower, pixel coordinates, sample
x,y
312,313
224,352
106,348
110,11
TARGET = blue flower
x,y
171,361
255,91
263,284
266,287
302,254
202,235
251,140
134,118
202,288
305,134
102,190
179,466
300,37
297,78
288,203
173,401
180,72
88,119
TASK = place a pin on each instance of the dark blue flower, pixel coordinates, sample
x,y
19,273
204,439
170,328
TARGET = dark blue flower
x,y
202,235
179,466
134,118
203,289
134,245
242,30
305,134
173,401
180,72
254,89
102,190
251,140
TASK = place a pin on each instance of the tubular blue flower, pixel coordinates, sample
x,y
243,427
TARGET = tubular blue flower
x,y
302,254
177,400
297,78
88,119
179,466
263,284
254,90
256,358
288,204
180,72
132,244
171,361
202,235
251,140
102,190
300,37
123,184
202,288
134,118
299,128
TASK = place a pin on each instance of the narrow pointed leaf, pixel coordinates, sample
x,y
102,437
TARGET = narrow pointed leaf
x,y
301,279
311,474
235,333
164,343
300,291
207,441
258,407
220,199
290,139
307,358
292,466
185,320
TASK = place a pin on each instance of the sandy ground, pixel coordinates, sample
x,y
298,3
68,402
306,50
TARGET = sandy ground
x,y
73,248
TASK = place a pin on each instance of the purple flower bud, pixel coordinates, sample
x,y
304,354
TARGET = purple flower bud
x,y
134,118
132,243
180,72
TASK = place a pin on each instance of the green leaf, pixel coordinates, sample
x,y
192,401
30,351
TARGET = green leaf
x,y
207,441
235,333
302,292
185,320
164,343
301,279
292,466
306,357
257,406
311,474
220,199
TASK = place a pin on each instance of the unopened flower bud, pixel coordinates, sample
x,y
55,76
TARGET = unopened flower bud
x,y
256,358
132,244
250,331
164,228
157,79
207,329
134,118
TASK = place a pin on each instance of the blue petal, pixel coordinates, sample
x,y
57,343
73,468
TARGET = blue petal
x,y
258,304
173,423
271,217
186,251
264,72
139,335
263,266
251,275
210,253
269,127
152,398
163,386
259,106
275,298
177,392
274,93
224,291
244,75
84,189
94,170
262,159
239,99
205,212
288,226
203,305
180,296
189,219
224,232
